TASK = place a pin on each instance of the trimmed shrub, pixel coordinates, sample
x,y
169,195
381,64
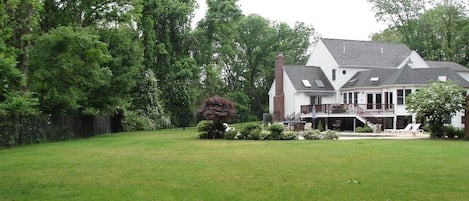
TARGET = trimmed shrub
x,y
210,129
313,135
276,131
204,128
247,130
453,132
288,136
255,134
331,135
364,129
316,135
231,135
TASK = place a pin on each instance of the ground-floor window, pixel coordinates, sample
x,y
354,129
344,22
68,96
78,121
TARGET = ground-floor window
x,y
402,121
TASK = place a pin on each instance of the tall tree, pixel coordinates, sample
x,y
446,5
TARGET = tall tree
x,y
10,77
436,30
22,21
242,49
216,45
402,15
257,45
165,27
295,41
126,64
85,13
67,66
442,32
146,111
258,42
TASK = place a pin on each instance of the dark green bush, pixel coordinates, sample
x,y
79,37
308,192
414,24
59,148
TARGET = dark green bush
x,y
288,136
316,135
276,131
460,133
320,126
255,134
453,132
364,129
204,128
331,135
231,135
210,129
313,135
244,133
139,120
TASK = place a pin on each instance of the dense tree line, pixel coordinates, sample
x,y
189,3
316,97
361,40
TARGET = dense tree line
x,y
141,58
436,29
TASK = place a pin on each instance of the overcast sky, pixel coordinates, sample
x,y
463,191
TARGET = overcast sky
x,y
342,19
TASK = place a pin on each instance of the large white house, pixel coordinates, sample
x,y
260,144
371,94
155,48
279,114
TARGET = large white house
x,y
349,83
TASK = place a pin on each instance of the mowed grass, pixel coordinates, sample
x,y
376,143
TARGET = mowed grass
x,y
175,165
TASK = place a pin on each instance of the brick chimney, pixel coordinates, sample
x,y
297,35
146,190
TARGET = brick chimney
x,y
279,101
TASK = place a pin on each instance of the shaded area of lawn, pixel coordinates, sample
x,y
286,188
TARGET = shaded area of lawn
x,y
175,165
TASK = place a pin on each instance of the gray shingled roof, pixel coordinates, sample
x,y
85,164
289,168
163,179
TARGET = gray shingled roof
x,y
366,53
433,73
443,64
310,73
403,76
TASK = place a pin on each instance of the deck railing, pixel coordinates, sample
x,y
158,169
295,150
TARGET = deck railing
x,y
361,109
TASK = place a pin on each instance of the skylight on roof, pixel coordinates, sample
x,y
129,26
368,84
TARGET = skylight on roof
x,y
374,79
306,83
442,78
319,83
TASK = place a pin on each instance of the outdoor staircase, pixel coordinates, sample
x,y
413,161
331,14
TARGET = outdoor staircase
x,y
372,122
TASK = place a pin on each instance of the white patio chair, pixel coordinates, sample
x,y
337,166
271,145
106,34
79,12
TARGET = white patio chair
x,y
416,129
408,128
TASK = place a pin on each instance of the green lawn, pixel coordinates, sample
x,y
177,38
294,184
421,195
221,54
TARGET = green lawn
x,y
175,165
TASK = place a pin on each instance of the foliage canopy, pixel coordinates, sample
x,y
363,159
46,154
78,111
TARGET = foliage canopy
x,y
436,102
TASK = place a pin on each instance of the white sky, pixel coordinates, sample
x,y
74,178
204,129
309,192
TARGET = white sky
x,y
341,19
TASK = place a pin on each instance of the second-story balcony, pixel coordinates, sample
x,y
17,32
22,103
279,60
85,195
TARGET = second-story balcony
x,y
358,109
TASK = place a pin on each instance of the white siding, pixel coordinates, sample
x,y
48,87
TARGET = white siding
x,y
271,97
400,110
289,92
456,120
417,61
321,57
350,72
301,99
329,100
